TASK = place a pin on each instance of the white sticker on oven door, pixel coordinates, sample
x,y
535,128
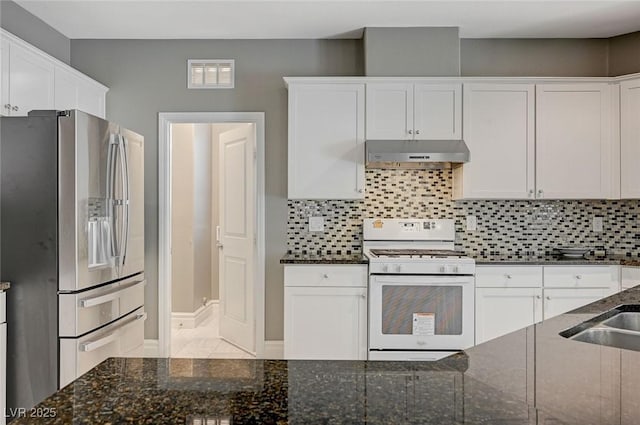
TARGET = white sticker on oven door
x,y
424,323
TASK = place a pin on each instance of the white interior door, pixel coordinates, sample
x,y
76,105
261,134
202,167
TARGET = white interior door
x,y
236,242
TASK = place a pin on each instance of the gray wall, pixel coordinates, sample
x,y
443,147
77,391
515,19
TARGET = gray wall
x,y
34,30
412,52
149,76
534,57
624,54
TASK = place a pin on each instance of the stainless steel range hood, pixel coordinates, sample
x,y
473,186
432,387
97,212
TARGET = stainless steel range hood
x,y
421,154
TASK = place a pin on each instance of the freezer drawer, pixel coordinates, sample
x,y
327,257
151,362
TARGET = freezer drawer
x,y
83,312
123,338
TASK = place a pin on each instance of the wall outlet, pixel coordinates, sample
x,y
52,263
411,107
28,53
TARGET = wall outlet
x,y
598,225
316,224
472,223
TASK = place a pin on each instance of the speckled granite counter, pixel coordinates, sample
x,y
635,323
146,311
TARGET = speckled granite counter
x,y
532,376
4,286
550,260
295,258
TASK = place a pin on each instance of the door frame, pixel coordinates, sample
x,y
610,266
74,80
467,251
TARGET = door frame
x,y
165,119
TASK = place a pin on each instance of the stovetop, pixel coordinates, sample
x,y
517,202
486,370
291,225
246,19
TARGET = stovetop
x,y
417,253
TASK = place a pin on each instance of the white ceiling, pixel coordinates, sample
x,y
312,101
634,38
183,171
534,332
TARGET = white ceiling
x,y
332,19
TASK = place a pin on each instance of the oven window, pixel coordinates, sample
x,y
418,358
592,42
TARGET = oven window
x,y
399,303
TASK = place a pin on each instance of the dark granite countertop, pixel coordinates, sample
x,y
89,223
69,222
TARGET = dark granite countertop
x,y
329,258
532,376
4,286
516,259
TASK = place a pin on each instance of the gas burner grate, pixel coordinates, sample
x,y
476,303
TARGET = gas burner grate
x,y
418,253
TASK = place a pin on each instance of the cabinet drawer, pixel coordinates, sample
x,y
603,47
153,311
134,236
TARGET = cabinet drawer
x,y
508,276
326,275
581,276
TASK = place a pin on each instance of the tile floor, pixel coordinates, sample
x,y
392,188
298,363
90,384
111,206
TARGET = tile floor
x,y
203,342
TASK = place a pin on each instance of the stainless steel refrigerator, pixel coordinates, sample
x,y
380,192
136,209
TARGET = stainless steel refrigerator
x,y
72,246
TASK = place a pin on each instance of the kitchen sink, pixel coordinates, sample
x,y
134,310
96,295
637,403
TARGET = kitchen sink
x,y
618,327
629,340
629,321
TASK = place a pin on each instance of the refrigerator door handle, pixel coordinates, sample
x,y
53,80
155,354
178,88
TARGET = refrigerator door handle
x,y
110,191
124,146
109,338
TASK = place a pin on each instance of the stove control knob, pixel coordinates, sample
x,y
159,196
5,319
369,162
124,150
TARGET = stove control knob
x,y
398,268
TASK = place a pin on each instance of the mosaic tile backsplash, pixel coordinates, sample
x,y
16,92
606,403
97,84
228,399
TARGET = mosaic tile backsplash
x,y
504,227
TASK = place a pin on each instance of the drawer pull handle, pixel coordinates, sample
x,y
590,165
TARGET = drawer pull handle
x,y
108,339
111,296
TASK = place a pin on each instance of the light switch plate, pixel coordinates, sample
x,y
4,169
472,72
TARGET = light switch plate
x,y
472,223
598,225
316,224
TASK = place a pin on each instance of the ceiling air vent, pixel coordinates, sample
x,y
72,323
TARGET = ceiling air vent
x,y
211,73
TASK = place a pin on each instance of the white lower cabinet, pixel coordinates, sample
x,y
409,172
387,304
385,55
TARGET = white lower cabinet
x,y
329,319
558,301
509,298
630,277
500,311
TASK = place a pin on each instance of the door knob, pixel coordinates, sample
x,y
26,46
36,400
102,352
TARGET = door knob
x,y
14,108
219,245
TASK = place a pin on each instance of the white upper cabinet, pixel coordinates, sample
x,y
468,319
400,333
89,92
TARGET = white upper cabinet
x,y
72,91
630,139
406,111
499,125
30,80
573,141
326,141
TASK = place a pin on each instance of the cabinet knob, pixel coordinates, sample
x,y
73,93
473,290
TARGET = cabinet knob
x,y
578,277
508,276
417,131
540,192
410,131
548,297
14,108
363,296
531,193
538,297
359,190
325,276
7,106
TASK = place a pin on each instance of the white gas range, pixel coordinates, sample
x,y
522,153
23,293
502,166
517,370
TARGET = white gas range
x,y
421,291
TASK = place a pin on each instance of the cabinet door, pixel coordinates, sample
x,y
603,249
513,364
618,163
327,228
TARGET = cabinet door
x,y
499,131
65,89
558,301
326,141
630,277
573,143
31,81
389,111
522,307
91,99
630,139
437,112
4,77
325,323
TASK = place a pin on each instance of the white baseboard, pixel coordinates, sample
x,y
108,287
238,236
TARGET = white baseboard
x,y
273,349
192,320
151,348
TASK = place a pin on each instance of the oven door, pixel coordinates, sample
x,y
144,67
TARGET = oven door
x,y
413,312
